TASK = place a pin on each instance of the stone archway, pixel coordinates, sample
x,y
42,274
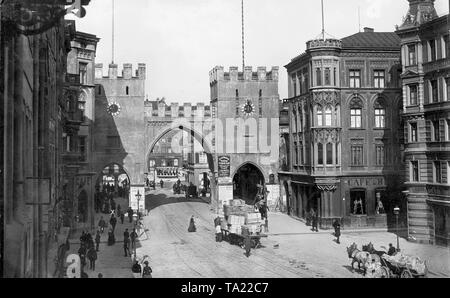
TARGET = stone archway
x,y
245,182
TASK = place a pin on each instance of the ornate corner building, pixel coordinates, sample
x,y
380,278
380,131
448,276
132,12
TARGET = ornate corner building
x,y
425,50
344,134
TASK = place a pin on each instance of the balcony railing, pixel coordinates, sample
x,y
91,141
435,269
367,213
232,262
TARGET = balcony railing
x,y
436,65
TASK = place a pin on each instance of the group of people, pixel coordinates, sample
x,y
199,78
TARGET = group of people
x,y
88,250
129,239
104,200
167,172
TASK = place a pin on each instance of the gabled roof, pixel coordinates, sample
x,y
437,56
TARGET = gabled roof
x,y
372,40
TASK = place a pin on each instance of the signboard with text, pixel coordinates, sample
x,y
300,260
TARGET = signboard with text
x,y
224,163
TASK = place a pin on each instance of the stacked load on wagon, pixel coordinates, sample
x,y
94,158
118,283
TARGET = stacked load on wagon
x,y
242,218
414,264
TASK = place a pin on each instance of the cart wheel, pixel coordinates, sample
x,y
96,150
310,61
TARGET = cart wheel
x,y
406,274
384,272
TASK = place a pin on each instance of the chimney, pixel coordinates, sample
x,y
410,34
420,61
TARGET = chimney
x,y
367,29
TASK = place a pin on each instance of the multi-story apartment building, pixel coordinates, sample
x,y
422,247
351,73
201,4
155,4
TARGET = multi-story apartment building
x,y
344,140
38,108
425,49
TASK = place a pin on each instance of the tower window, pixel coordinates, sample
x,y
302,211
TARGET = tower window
x,y
237,103
127,90
260,103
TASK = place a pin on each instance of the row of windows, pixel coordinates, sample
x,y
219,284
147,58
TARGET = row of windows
x,y
325,154
438,171
436,135
327,77
356,118
434,49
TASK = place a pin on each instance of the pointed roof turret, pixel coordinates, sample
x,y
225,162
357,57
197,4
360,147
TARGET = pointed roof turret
x,y
420,12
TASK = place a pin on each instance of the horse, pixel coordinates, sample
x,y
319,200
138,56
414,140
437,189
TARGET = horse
x,y
357,256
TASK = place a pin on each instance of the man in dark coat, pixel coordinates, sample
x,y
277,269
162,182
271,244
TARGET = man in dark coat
x,y
101,224
97,240
337,230
315,220
133,237
82,254
130,214
113,222
391,250
126,246
92,256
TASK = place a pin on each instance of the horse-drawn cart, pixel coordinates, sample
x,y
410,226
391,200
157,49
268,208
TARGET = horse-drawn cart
x,y
402,266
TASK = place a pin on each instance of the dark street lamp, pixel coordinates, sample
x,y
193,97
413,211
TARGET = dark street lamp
x,y
397,212
138,197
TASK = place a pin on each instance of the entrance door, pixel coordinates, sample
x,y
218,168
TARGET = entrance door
x,y
83,206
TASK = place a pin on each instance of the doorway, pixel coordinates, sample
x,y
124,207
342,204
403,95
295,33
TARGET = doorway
x,y
246,181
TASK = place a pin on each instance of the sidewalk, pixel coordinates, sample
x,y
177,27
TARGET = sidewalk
x,y
111,261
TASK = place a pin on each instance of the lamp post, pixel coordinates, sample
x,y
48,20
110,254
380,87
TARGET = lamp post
x,y
397,212
138,197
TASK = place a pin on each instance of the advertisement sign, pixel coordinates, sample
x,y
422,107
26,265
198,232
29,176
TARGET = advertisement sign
x,y
224,163
225,194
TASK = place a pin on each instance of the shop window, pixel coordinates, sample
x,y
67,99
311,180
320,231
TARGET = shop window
x,y
380,200
358,202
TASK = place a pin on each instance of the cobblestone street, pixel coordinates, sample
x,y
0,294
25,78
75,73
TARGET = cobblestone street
x,y
290,251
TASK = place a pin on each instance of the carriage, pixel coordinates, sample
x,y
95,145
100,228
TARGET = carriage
x,y
402,266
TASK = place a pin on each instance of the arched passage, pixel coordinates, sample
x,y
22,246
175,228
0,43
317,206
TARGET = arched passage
x,y
200,137
112,182
245,182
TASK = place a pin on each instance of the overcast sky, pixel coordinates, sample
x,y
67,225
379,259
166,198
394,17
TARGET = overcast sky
x,y
182,40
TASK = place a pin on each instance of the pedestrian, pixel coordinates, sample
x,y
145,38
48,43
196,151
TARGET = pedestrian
x,y
392,251
97,240
111,238
126,234
147,271
219,233
119,209
161,183
82,254
122,217
101,224
100,275
337,230
136,269
315,219
126,246
92,256
113,205
130,214
192,228
247,242
133,237
113,222
83,238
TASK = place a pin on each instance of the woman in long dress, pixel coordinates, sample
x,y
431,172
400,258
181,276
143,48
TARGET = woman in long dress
x,y
192,227
111,238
